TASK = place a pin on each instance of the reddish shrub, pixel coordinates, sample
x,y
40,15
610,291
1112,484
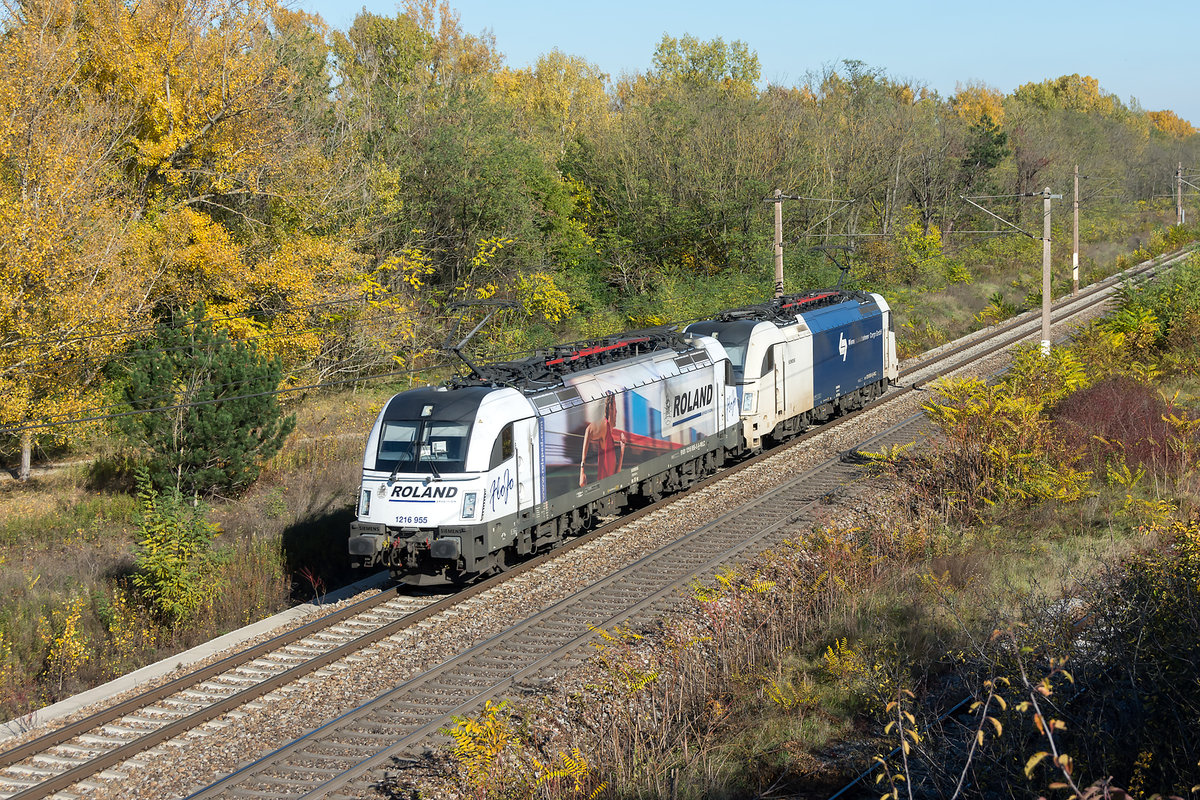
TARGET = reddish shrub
x,y
1125,414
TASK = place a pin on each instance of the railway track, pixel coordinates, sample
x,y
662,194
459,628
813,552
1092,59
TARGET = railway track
x,y
331,760
543,639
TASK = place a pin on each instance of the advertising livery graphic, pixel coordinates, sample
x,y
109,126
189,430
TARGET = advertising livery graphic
x,y
616,427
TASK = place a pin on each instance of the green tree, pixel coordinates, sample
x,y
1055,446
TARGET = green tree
x,y
446,170
987,146
675,182
220,417
713,63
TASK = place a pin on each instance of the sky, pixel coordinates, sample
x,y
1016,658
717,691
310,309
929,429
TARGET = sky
x,y
1136,50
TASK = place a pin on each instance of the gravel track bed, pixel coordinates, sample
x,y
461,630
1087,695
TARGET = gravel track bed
x,y
224,744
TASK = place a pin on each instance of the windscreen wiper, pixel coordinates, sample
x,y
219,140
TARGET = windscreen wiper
x,y
396,469
412,453
433,469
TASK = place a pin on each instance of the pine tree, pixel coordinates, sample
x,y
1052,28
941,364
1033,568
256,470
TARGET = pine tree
x,y
987,146
220,417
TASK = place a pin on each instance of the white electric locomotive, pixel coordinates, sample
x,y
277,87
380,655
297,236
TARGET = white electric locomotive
x,y
804,358
464,478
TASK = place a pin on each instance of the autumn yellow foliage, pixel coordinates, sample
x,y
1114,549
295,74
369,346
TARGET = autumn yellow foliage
x,y
1171,124
64,290
974,101
183,70
563,92
1075,92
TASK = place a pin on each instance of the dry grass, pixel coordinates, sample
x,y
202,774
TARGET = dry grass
x,y
304,498
777,677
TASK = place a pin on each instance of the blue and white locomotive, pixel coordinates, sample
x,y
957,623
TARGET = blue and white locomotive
x,y
464,478
803,359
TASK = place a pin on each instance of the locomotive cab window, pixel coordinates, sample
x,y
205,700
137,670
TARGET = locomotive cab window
x,y
502,450
737,354
395,445
422,446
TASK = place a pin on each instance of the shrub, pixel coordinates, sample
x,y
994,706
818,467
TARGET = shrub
x,y
996,311
1042,379
998,445
1107,353
174,554
1172,297
1132,709
1118,418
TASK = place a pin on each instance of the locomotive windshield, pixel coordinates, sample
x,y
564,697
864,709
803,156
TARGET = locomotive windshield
x,y
428,445
737,357
734,337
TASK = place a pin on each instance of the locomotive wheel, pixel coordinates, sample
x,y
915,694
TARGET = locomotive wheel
x,y
503,560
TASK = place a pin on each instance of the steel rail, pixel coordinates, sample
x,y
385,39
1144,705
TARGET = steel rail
x,y
646,583
1066,309
112,713
170,730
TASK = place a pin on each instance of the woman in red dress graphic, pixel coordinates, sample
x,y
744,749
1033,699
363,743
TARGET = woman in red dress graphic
x,y
607,438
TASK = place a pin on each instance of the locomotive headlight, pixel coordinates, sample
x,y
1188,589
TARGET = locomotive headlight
x,y
468,507
365,505
748,403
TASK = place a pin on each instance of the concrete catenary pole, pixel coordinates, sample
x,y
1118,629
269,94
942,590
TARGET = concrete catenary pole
x,y
1179,220
1075,239
1046,272
779,243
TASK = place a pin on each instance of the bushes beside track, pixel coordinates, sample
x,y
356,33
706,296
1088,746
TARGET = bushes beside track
x,y
1041,563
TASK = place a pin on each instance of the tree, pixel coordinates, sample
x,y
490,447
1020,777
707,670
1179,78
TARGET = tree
x,y
65,294
446,172
713,63
555,98
206,90
933,178
987,146
1171,124
220,417
977,100
1075,92
150,157
675,181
